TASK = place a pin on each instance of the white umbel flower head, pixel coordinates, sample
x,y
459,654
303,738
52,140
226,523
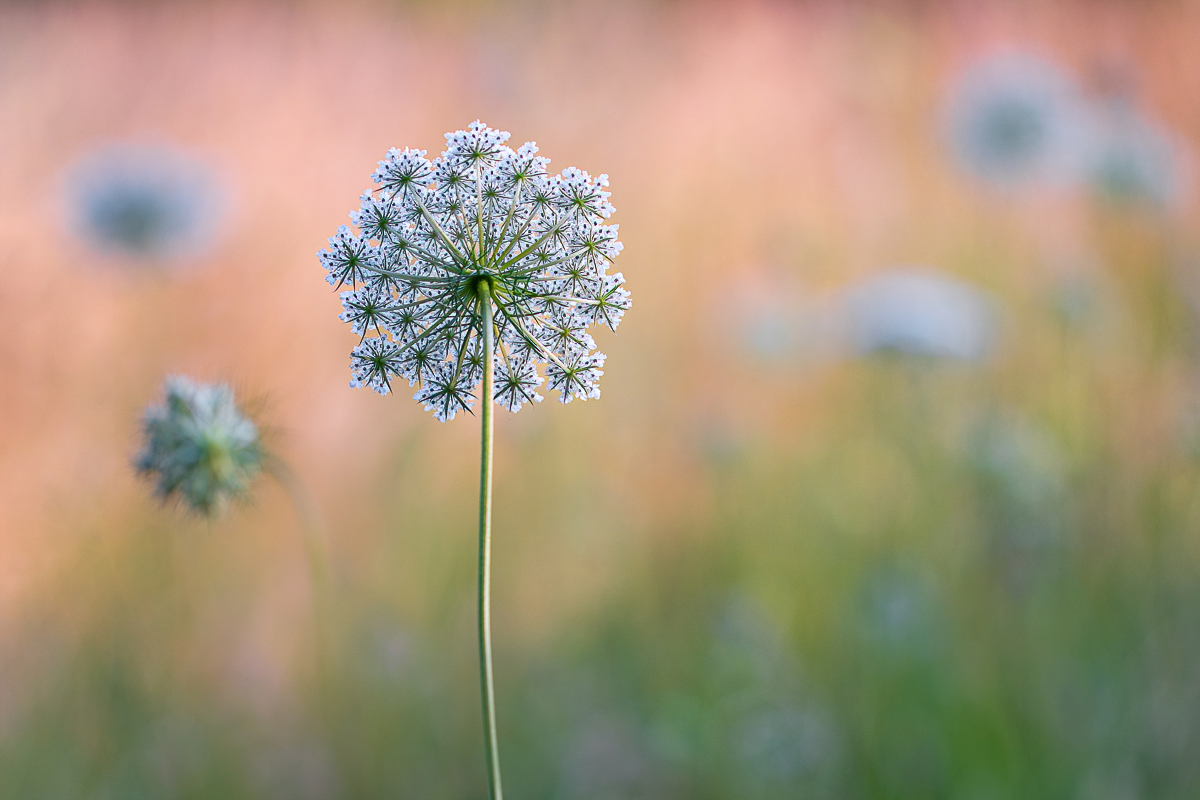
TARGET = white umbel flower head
x,y
1137,161
199,446
145,202
920,312
480,220
1016,120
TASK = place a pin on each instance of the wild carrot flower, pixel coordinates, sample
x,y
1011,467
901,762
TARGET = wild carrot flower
x,y
920,312
1017,120
1136,161
479,267
144,202
481,220
199,446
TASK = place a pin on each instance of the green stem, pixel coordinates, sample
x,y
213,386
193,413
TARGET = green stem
x,y
487,686
316,552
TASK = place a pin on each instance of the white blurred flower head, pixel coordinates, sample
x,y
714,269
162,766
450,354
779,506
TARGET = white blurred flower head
x,y
899,615
1021,457
784,744
199,446
435,234
1021,478
1015,120
144,202
1136,161
919,312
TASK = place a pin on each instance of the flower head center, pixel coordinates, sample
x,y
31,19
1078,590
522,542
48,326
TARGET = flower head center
x,y
217,457
477,283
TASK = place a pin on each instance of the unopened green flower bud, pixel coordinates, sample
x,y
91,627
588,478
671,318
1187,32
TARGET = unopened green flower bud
x,y
199,446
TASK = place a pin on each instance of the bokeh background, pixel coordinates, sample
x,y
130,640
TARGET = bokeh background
x,y
892,492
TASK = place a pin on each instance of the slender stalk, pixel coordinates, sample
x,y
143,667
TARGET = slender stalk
x,y
316,551
487,686
329,698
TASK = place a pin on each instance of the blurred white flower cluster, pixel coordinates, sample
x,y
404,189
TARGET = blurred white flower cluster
x,y
1017,120
144,202
481,221
1136,160
922,312
912,311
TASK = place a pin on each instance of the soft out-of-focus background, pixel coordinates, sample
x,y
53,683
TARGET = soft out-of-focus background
x,y
894,490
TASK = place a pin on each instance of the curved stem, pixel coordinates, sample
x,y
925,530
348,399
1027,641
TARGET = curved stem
x,y
487,686
316,552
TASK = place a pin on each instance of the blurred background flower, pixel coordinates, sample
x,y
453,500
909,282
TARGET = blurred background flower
x,y
1015,119
919,312
198,446
1136,160
144,202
